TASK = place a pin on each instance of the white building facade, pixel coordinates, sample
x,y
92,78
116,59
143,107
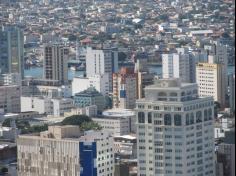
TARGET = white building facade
x,y
101,62
176,65
175,131
44,105
117,121
99,82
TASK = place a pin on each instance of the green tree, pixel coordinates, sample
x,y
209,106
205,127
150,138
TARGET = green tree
x,y
4,170
35,129
7,122
76,120
90,126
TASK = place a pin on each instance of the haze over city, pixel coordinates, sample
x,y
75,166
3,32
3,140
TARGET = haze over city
x,y
117,87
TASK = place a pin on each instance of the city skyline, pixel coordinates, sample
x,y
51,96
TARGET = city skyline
x,y
117,88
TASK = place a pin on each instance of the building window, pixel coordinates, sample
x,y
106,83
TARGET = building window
x,y
205,115
192,119
162,94
141,117
149,117
210,114
173,94
187,119
199,117
177,120
167,119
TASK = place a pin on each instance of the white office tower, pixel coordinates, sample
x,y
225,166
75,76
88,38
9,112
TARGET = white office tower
x,y
175,131
176,65
101,62
55,62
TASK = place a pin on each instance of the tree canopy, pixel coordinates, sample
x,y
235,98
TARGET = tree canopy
x,y
83,121
90,126
76,120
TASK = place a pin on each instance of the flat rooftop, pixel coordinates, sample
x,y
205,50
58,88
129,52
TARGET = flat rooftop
x,y
118,113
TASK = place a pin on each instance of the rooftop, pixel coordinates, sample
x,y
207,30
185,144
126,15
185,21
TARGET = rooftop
x,y
118,113
169,84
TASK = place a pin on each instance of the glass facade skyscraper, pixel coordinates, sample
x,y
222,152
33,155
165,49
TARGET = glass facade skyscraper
x,y
11,50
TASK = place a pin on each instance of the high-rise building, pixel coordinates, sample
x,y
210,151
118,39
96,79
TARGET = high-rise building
x,y
124,89
144,78
11,51
175,130
55,62
219,51
10,99
101,62
210,79
65,150
231,80
226,155
195,58
218,55
176,65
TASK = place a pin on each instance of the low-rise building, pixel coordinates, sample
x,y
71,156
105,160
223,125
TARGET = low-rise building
x,y
65,150
90,97
117,121
9,133
90,111
126,146
10,99
44,105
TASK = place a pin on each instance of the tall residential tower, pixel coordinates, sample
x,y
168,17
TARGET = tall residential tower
x,y
55,62
175,131
11,50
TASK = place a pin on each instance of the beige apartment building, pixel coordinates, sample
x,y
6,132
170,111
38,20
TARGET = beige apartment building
x,y
52,153
210,78
124,89
66,151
